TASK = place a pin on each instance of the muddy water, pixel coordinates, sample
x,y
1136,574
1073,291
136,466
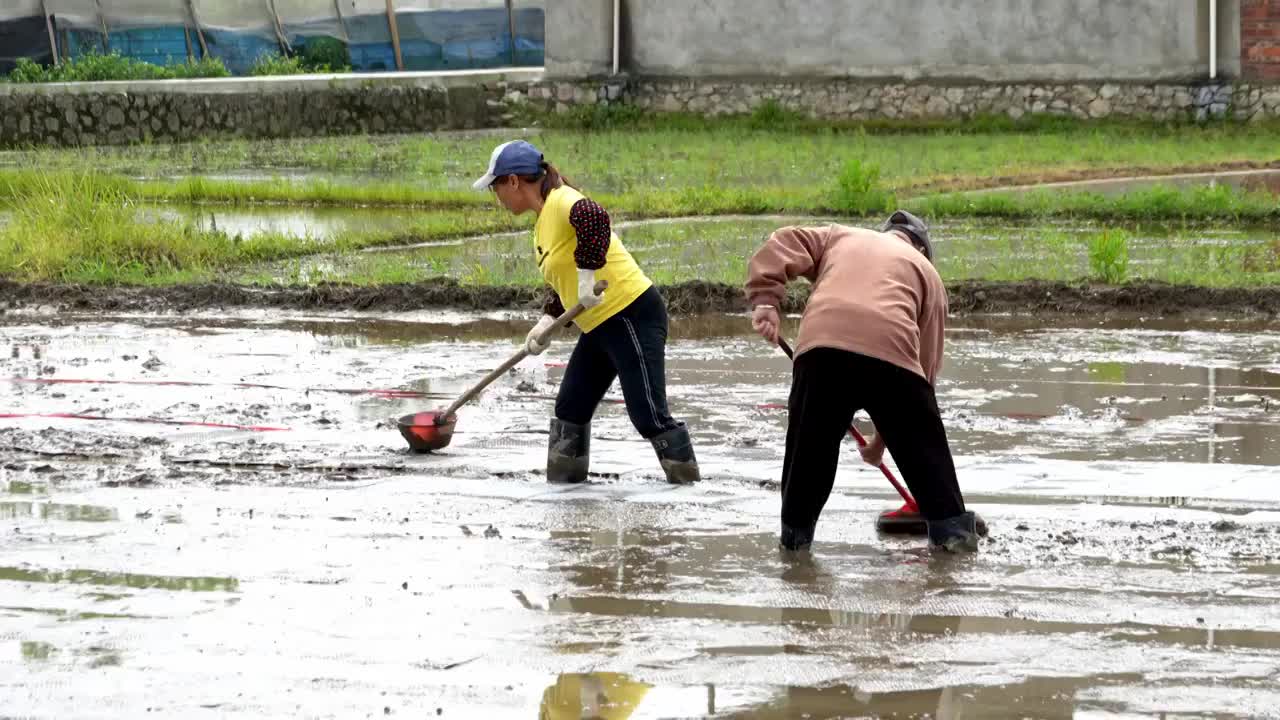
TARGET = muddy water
x,y
1128,472
300,222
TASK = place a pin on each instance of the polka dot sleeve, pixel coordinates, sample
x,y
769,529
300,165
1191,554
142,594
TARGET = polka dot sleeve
x,y
591,223
551,304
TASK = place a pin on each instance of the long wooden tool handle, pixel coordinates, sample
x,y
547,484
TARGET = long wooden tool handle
x,y
568,317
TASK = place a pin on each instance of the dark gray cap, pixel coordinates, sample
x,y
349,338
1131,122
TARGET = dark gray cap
x,y
914,227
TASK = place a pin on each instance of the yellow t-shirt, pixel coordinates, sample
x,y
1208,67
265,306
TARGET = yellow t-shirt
x,y
554,241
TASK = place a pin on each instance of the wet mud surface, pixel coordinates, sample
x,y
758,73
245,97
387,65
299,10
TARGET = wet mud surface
x,y
210,514
967,297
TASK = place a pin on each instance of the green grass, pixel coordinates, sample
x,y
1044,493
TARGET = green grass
x,y
317,192
87,227
1180,253
94,67
196,189
1221,202
69,224
90,228
325,54
1109,256
80,229
856,190
277,64
315,57
726,154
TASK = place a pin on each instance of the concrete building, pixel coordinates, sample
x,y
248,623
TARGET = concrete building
x,y
948,40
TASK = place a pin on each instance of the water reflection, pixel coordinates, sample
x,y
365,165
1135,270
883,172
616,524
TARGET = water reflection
x,y
592,696
1034,697
618,696
115,579
34,651
316,223
57,511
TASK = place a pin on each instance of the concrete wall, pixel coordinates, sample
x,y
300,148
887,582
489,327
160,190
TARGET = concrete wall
x,y
985,40
1230,36
579,38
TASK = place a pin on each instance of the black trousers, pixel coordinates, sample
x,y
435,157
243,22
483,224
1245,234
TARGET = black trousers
x,y
632,347
828,386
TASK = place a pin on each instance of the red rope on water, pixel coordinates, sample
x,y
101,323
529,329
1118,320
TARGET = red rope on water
x,y
152,421
380,392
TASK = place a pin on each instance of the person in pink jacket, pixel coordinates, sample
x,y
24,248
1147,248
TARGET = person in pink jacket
x,y
870,338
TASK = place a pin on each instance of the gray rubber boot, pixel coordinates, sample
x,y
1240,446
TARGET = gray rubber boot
x,y
955,534
675,452
568,452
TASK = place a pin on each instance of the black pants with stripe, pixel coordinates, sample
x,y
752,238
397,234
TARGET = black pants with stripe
x,y
828,386
632,347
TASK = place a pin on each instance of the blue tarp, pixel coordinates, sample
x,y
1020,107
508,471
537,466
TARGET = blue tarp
x,y
429,40
157,45
447,40
239,51
24,37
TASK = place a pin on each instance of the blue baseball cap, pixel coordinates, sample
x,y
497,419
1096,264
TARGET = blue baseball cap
x,y
511,158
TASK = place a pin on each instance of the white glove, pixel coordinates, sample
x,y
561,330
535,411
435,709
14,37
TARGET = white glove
x,y
587,289
531,344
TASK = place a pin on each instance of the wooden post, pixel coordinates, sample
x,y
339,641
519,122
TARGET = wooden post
x,y
285,48
66,44
511,28
395,33
342,22
53,38
102,21
195,23
186,35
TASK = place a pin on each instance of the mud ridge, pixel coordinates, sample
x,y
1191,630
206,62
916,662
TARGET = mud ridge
x,y
967,297
1015,182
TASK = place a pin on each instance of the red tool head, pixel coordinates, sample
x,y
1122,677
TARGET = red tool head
x,y
426,431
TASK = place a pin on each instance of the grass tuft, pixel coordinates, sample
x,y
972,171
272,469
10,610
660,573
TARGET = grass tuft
x,y
1109,256
858,190
94,67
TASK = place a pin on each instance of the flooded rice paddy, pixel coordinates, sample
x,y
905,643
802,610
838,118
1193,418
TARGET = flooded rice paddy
x,y
211,515
718,247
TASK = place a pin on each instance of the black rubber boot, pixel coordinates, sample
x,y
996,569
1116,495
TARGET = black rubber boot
x,y
795,538
675,452
905,521
956,534
568,452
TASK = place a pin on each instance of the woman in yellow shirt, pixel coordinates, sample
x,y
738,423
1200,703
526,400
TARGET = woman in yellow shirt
x,y
624,331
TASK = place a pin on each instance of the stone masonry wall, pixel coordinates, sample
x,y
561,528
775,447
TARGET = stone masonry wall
x,y
852,100
110,114
97,114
